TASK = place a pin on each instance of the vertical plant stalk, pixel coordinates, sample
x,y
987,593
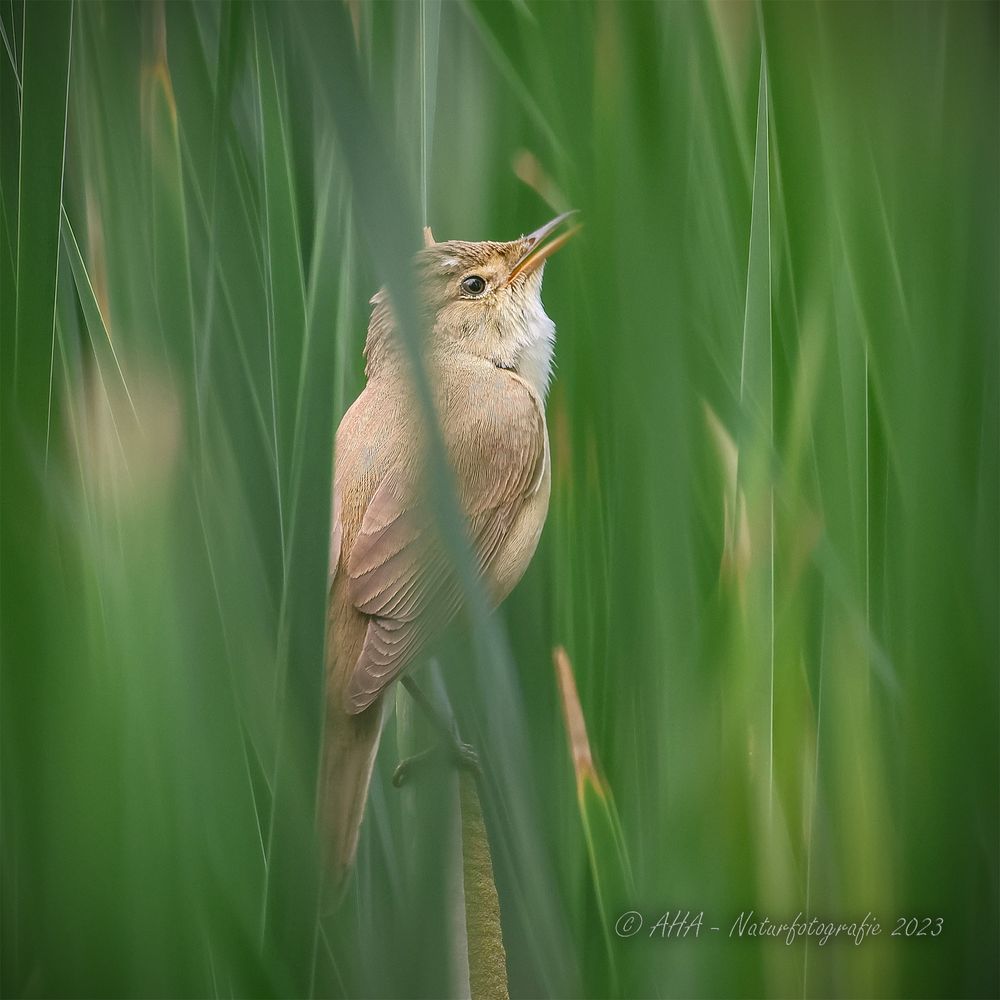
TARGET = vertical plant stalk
x,y
755,437
432,815
482,969
430,29
487,956
29,562
471,905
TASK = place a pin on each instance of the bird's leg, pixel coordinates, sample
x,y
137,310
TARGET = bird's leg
x,y
450,748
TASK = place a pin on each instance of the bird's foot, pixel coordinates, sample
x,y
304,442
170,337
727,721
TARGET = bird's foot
x,y
450,749
453,751
465,758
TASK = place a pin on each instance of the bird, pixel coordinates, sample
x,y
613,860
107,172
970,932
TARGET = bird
x,y
488,357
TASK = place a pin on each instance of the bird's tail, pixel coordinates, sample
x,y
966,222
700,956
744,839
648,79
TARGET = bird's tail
x,y
349,757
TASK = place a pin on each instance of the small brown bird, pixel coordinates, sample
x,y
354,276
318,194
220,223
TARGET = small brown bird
x,y
488,358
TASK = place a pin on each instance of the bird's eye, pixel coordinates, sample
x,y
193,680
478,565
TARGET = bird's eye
x,y
473,285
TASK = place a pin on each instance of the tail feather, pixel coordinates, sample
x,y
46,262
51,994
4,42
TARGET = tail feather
x,y
351,741
351,746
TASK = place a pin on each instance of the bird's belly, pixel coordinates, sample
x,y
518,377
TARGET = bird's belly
x,y
521,541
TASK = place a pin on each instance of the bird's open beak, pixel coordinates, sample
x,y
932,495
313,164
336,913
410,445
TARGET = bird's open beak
x,y
538,251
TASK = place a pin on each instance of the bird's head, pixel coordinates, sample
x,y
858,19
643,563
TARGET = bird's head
x,y
482,300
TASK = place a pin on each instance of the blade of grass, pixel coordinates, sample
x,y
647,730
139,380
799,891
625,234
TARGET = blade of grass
x,y
610,870
27,551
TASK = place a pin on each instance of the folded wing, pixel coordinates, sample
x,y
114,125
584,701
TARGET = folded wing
x,y
398,571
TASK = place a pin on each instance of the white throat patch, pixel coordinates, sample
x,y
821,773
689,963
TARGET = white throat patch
x,y
534,356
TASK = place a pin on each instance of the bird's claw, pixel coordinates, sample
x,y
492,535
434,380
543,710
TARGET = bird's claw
x,y
465,757
406,766
461,755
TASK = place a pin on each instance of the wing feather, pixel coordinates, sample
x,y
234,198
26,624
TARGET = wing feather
x,y
398,571
336,540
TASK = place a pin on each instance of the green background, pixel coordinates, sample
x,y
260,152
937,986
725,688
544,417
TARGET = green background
x,y
772,547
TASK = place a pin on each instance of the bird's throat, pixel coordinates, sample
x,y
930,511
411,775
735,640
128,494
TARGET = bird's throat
x,y
534,364
534,347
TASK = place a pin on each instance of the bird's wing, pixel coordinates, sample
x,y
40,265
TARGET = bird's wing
x,y
398,570
336,539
